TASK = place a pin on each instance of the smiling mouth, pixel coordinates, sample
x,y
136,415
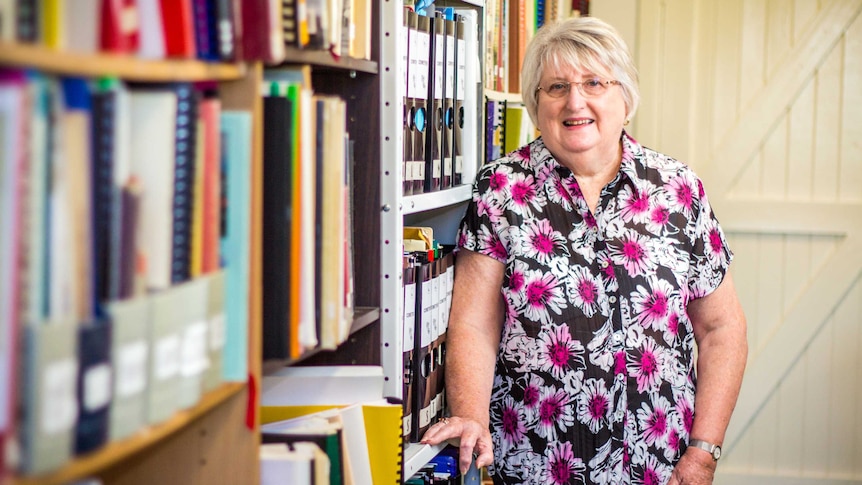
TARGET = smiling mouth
x,y
576,122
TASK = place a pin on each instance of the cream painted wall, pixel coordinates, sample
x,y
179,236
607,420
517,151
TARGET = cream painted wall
x,y
764,99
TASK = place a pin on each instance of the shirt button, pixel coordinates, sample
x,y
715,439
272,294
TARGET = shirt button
x,y
604,264
619,414
612,299
618,338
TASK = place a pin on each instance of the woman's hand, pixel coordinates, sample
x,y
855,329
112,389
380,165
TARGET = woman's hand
x,y
471,438
696,467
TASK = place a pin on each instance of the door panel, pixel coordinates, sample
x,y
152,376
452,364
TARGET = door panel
x,y
762,98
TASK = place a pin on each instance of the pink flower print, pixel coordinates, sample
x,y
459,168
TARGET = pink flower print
x,y
543,294
560,186
633,254
590,220
524,152
462,239
716,243
513,420
634,203
553,413
646,366
653,422
541,242
559,352
498,251
498,181
594,404
531,396
491,210
620,363
574,188
686,411
655,473
516,281
682,195
563,468
659,216
651,305
523,192
586,291
673,441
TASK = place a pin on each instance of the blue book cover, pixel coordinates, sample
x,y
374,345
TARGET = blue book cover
x,y
235,243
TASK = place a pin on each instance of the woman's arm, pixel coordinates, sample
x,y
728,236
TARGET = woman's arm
x,y
472,341
722,347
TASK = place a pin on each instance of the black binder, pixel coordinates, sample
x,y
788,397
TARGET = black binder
x,y
277,162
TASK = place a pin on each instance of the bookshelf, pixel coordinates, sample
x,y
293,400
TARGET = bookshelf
x,y
214,440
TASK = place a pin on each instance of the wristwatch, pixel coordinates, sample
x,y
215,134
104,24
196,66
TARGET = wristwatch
x,y
711,448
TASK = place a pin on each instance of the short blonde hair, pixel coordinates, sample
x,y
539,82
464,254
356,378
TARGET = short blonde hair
x,y
583,43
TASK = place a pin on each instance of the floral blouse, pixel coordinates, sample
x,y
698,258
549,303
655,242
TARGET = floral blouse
x,y
595,376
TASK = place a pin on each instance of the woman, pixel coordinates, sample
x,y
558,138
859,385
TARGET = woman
x,y
589,268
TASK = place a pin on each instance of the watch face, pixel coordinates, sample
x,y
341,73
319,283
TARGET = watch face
x,y
716,453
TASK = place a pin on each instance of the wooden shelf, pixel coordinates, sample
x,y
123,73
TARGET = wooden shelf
x,y
321,58
112,453
130,68
362,317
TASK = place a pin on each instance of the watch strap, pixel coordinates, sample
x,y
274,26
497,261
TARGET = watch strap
x,y
711,448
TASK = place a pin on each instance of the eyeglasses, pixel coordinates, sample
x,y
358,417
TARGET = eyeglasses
x,y
588,89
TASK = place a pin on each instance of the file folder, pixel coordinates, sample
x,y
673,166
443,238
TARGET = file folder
x,y
129,341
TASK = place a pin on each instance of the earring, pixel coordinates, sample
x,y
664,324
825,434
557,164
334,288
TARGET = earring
x,y
626,123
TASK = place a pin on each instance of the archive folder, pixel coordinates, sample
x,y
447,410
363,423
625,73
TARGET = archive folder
x,y
433,142
129,341
458,111
215,321
420,71
93,385
49,395
407,360
165,337
447,114
407,139
192,318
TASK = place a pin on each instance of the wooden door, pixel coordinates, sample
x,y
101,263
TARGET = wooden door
x,y
764,99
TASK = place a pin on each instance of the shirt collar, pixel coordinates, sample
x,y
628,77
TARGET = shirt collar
x,y
632,154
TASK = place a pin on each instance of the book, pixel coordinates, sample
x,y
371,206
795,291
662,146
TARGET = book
x,y
262,33
151,37
333,385
179,29
119,28
153,128
383,437
278,154
13,173
332,110
185,153
323,439
210,115
279,465
236,129
204,18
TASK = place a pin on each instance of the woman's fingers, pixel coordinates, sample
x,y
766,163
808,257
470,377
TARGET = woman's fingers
x,y
472,440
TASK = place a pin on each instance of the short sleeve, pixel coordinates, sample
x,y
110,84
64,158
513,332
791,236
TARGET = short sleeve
x,y
710,253
483,222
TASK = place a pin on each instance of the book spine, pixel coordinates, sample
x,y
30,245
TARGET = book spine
x,y
186,141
